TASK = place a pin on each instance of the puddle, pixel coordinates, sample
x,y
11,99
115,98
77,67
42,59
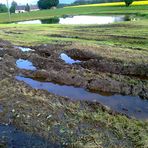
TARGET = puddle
x,y
11,137
80,19
68,59
24,49
25,64
132,106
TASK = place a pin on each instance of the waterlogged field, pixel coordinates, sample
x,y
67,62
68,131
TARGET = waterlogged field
x,y
74,85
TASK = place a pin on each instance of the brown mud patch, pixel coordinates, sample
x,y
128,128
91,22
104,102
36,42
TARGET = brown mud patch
x,y
59,119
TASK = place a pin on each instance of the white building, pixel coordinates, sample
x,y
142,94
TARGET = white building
x,y
21,9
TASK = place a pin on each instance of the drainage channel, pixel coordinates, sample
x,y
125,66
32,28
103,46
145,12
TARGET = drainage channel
x,y
11,137
132,106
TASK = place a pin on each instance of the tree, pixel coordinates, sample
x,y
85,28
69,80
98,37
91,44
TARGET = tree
x,y
3,8
128,2
27,7
13,7
47,4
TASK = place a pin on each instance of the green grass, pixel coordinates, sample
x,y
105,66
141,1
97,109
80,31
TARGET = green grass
x,y
119,40
137,10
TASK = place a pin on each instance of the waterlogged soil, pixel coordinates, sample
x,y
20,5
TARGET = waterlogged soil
x,y
68,121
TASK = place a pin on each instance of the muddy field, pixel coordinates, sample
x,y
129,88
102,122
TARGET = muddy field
x,y
70,97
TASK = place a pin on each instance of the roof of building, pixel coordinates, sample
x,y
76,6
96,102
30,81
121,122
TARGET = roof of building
x,y
22,7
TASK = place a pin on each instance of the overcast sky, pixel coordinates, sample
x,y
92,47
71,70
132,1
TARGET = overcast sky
x,y
33,1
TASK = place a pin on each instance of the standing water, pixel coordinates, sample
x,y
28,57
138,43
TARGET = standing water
x,y
25,64
24,49
130,105
79,19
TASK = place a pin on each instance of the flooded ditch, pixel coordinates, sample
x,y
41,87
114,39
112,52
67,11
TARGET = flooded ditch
x,y
129,105
12,137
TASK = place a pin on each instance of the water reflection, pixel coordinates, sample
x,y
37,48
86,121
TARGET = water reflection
x,y
50,21
24,49
67,59
25,64
80,19
130,105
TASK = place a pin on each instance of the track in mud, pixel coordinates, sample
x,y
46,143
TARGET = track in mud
x,y
129,105
42,68
133,106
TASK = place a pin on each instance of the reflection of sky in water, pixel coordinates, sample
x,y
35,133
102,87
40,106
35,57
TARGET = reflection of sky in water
x,y
68,59
24,49
116,102
82,19
30,22
91,19
25,64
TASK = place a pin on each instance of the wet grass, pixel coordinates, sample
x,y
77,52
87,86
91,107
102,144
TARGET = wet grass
x,y
127,41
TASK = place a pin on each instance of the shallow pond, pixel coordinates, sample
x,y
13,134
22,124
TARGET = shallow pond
x,y
25,64
11,137
67,59
80,19
130,105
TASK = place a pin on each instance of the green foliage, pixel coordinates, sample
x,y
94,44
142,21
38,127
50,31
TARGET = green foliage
x,y
128,2
13,7
47,4
27,7
3,8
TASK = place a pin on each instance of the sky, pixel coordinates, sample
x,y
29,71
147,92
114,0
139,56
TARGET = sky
x,y
34,1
